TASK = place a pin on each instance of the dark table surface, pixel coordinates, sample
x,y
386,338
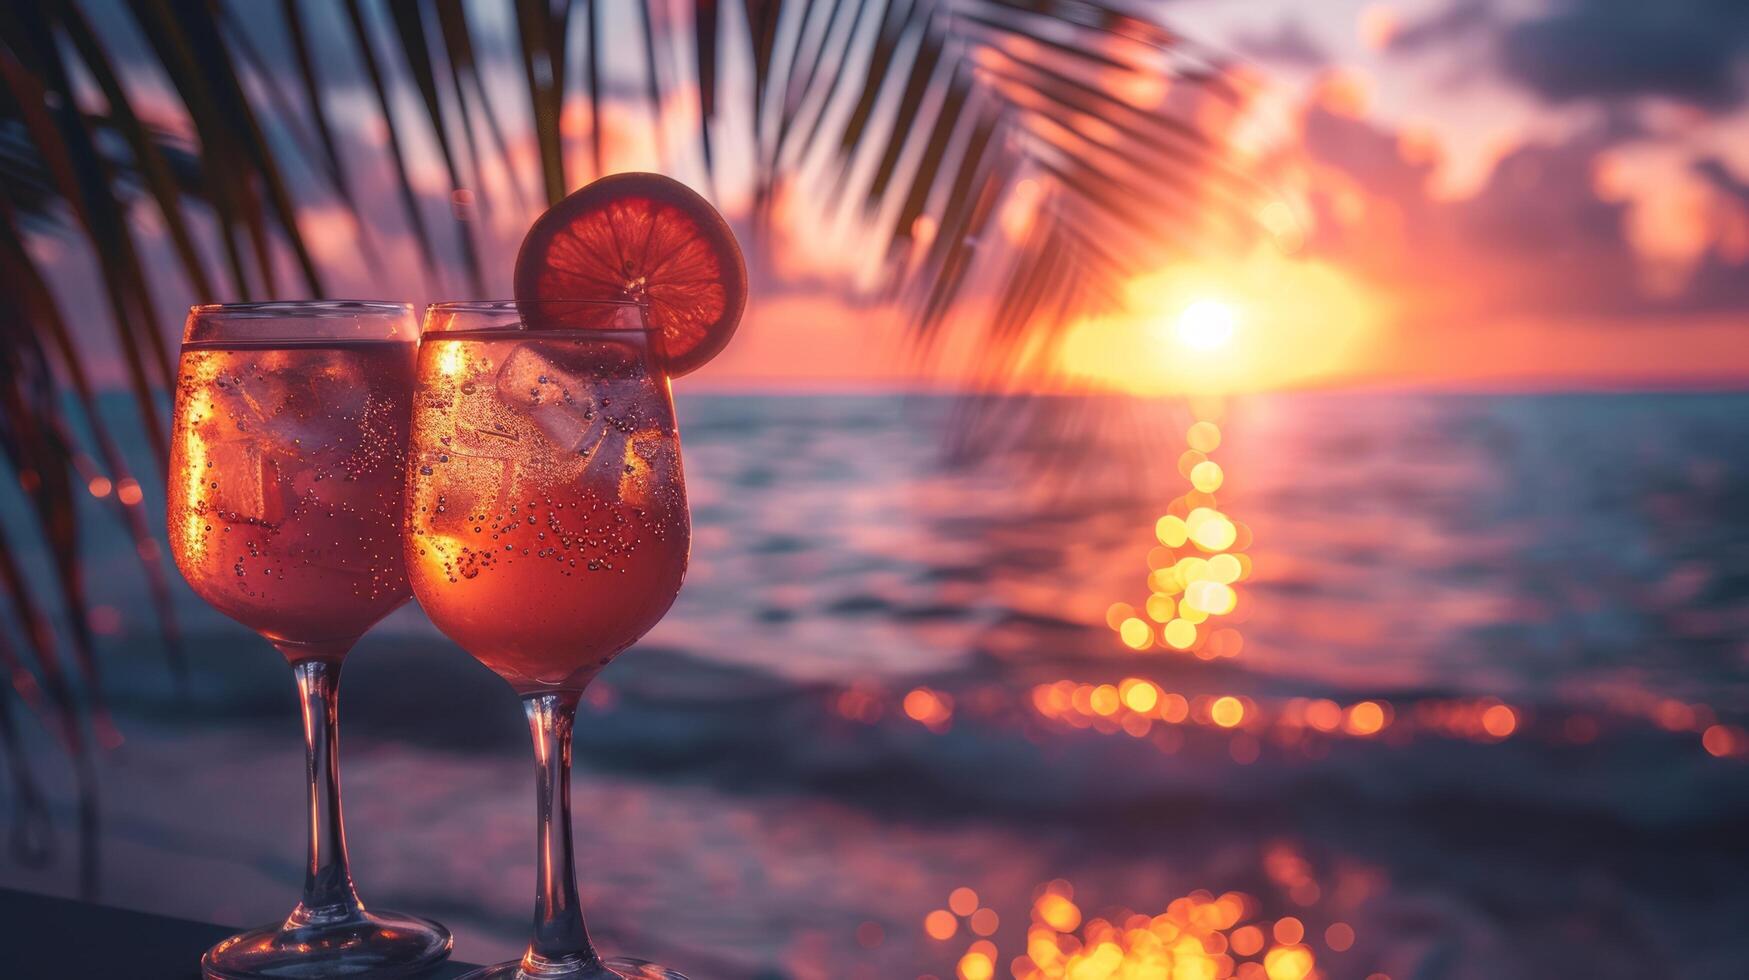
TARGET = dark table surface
x,y
44,938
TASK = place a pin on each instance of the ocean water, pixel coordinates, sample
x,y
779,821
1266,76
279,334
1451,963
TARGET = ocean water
x,y
891,676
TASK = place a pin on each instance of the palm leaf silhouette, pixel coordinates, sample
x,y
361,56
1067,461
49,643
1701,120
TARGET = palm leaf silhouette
x,y
410,28
920,120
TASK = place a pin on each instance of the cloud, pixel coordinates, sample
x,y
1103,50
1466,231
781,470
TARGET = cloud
x,y
1289,44
1721,278
1534,238
1542,236
1462,18
1370,154
1695,51
1720,177
1555,245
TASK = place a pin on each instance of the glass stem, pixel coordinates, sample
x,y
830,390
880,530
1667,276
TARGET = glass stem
x,y
328,892
561,947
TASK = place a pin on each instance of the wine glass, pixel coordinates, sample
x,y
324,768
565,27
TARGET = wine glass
x,y
286,475
546,532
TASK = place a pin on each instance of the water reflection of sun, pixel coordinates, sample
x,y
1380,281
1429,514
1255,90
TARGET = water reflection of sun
x,y
1200,936
1192,570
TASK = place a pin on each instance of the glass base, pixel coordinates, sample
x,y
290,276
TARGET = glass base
x,y
618,968
375,944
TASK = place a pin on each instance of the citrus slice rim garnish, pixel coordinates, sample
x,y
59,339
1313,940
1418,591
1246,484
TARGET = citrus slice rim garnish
x,y
642,237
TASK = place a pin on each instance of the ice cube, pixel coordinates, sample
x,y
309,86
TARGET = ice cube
x,y
297,401
472,487
553,386
244,480
605,461
471,467
652,466
280,422
334,387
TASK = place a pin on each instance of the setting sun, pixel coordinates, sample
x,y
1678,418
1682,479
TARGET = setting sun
x,y
1206,325
1300,322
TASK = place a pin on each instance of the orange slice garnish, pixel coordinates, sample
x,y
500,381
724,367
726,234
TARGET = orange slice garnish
x,y
648,238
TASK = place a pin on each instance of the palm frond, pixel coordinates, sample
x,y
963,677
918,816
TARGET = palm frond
x,y
459,47
595,46
145,144
30,833
410,28
409,197
800,83
704,30
26,400
543,64
189,42
39,322
84,181
653,78
338,178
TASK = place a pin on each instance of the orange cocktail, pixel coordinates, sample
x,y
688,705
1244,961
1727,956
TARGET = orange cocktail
x,y
547,521
288,463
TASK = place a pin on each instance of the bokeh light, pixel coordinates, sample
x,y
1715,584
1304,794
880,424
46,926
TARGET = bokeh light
x,y
1227,712
933,709
1199,936
940,924
1194,567
1204,437
1136,634
979,963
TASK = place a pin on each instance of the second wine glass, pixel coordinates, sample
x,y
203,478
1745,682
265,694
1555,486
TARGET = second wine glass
x,y
286,475
547,530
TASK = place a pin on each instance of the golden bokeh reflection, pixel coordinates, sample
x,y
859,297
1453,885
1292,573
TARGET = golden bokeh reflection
x,y
1199,936
1195,565
1161,683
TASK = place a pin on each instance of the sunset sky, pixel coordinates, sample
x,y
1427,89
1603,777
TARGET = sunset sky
x,y
1473,193
1469,193
1554,190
